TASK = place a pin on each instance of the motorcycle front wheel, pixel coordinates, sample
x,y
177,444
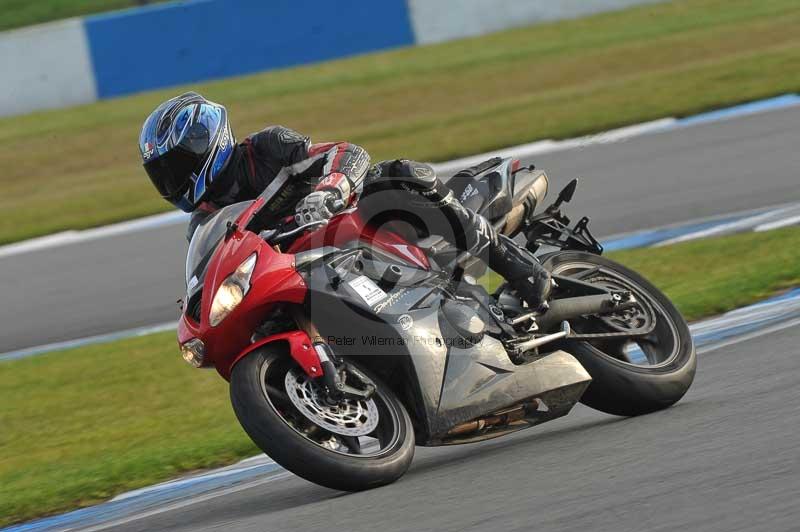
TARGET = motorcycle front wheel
x,y
630,375
352,445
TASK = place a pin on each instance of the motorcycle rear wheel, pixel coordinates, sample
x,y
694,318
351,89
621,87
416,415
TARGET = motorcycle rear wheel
x,y
635,376
264,398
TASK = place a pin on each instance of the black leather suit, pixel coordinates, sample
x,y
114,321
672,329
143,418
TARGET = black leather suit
x,y
401,190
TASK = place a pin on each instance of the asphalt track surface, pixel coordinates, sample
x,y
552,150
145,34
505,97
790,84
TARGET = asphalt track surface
x,y
723,459
133,280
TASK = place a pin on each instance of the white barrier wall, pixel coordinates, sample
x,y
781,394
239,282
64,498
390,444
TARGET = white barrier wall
x,y
445,20
45,66
77,61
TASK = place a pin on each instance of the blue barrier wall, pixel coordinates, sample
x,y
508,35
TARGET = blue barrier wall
x,y
159,46
80,60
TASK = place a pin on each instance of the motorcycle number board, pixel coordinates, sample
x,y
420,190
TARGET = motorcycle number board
x,y
367,290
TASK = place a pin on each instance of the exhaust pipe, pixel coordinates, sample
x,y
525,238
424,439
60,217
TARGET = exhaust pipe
x,y
575,307
498,419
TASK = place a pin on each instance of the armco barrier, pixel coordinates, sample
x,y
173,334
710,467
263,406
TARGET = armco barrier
x,y
101,56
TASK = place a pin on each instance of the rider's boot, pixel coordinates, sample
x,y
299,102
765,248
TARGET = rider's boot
x,y
522,270
515,264
475,234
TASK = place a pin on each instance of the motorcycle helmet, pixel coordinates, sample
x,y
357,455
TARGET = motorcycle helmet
x,y
186,143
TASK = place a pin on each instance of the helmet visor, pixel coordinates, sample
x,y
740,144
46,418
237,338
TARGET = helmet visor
x,y
171,173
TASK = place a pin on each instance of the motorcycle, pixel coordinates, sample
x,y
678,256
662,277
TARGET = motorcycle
x,y
346,344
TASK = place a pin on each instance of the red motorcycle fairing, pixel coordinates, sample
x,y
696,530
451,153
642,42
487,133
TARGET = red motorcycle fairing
x,y
350,226
274,280
300,348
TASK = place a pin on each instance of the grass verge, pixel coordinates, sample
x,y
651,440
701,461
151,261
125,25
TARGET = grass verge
x,y
81,166
84,425
79,427
19,13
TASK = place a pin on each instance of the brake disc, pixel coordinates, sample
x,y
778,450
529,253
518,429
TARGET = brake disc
x,y
347,417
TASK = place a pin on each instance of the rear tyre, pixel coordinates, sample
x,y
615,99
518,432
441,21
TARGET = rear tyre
x,y
265,388
637,377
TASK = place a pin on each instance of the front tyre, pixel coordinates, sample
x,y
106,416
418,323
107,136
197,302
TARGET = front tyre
x,y
351,446
636,375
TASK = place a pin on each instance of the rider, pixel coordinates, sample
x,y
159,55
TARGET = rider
x,y
189,152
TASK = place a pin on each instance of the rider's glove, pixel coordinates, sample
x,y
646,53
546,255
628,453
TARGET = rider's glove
x,y
316,207
331,196
337,183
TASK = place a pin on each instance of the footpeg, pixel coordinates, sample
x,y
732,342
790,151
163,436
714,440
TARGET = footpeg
x,y
520,348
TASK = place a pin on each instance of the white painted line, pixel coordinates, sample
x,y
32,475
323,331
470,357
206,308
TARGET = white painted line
x,y
248,464
89,340
743,224
190,501
523,150
749,336
627,132
785,222
738,215
447,167
74,237
783,101
548,146
34,244
68,344
741,218
784,307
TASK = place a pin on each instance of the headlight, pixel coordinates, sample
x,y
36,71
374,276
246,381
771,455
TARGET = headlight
x,y
193,352
232,291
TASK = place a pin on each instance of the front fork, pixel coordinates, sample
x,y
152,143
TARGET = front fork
x,y
334,370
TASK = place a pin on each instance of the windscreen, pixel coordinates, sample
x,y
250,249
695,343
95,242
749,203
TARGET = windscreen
x,y
205,239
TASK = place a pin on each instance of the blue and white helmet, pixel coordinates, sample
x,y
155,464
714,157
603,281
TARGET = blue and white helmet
x,y
186,143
